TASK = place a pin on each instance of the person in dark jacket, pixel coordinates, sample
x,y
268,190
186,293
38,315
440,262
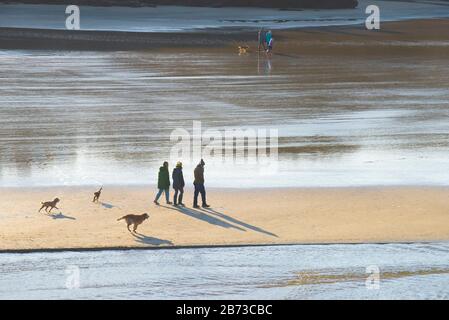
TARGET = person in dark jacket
x,y
199,185
178,184
163,183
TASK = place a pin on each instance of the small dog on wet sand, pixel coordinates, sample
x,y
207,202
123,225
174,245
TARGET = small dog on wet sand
x,y
50,204
134,219
97,195
243,49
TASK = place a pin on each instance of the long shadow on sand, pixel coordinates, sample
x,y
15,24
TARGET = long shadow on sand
x,y
240,223
212,216
141,238
204,217
60,215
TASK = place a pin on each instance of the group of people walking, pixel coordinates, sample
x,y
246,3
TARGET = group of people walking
x,y
163,185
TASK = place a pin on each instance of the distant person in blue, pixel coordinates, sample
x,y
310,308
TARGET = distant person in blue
x,y
199,185
268,36
178,185
269,41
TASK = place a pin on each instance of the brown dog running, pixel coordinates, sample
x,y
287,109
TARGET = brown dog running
x,y
134,219
50,204
97,195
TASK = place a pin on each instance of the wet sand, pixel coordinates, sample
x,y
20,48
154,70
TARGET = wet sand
x,y
237,217
352,107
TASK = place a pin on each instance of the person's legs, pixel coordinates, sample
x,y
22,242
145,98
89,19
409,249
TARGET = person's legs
x,y
175,197
167,196
195,195
158,195
181,193
203,195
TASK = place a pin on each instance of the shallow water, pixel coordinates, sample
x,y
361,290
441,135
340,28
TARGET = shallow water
x,y
406,271
172,18
88,118
94,118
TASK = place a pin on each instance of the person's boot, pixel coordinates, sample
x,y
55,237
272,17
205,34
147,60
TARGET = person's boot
x,y
196,206
205,205
180,201
155,202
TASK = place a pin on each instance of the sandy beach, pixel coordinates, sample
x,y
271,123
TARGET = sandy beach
x,y
342,137
237,217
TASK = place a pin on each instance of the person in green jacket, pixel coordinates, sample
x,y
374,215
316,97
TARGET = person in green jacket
x,y
163,183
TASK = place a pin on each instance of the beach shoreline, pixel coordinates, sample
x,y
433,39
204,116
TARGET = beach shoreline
x,y
212,246
237,218
201,39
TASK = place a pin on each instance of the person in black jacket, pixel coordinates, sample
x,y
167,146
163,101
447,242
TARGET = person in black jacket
x,y
178,184
199,185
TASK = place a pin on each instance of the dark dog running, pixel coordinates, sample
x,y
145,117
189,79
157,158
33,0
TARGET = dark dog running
x,y
49,204
97,195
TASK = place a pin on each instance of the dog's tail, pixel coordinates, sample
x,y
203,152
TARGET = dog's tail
x,y
121,218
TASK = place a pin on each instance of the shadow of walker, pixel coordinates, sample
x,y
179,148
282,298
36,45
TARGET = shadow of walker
x,y
141,238
220,219
197,214
238,222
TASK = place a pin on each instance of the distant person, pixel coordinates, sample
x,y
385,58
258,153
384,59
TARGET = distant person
x,y
178,184
268,36
163,183
270,47
269,40
262,39
199,185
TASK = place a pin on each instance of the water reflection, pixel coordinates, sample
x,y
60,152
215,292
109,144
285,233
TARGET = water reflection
x,y
264,64
106,117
